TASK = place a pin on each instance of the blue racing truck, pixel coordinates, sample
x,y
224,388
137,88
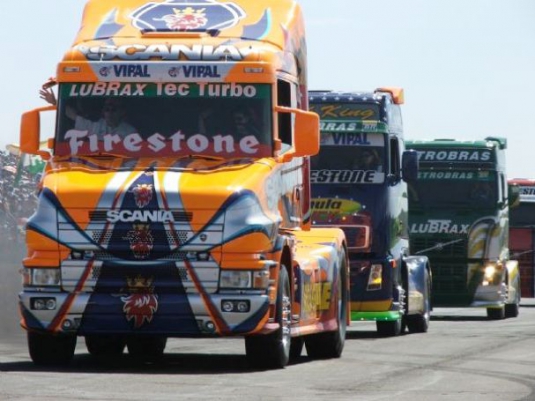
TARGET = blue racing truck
x,y
359,183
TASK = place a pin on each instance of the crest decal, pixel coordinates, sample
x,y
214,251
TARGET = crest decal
x,y
142,194
141,305
141,240
176,15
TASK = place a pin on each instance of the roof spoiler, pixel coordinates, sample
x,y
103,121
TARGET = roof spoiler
x,y
502,142
397,93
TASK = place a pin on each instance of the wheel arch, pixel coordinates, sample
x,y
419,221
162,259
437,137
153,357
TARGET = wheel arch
x,y
414,270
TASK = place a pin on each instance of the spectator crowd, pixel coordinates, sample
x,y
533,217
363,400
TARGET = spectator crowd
x,y
18,197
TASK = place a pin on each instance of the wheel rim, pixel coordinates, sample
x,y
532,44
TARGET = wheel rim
x,y
285,318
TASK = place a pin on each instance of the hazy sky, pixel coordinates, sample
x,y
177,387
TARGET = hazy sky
x,y
467,66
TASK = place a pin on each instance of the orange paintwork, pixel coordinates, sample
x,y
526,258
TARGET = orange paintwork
x,y
177,230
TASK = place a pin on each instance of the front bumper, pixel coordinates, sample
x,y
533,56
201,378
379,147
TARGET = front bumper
x,y
490,295
172,315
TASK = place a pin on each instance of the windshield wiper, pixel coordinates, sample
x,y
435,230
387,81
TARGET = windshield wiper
x,y
439,246
106,154
216,158
518,254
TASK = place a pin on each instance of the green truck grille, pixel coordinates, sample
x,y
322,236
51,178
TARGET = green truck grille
x,y
449,278
440,247
449,265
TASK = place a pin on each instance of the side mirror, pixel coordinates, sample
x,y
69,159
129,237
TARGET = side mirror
x,y
409,166
513,194
30,130
306,133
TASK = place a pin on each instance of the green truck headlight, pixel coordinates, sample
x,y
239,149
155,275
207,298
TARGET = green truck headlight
x,y
490,271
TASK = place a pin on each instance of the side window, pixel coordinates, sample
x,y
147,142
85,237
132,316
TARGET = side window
x,y
284,98
395,162
502,195
397,121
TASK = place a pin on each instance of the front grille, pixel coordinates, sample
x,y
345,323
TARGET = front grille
x,y
175,256
159,236
449,278
358,237
439,246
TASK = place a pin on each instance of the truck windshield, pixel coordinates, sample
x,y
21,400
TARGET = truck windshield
x,y
349,158
165,119
522,215
439,189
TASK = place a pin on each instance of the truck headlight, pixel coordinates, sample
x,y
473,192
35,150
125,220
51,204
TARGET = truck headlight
x,y
235,279
491,274
255,279
490,271
42,277
375,279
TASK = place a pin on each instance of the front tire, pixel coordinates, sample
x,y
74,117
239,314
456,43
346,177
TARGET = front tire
x,y
496,313
331,344
391,328
146,348
105,346
51,350
272,351
511,310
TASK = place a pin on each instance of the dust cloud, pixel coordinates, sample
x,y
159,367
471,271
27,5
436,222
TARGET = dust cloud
x,y
10,285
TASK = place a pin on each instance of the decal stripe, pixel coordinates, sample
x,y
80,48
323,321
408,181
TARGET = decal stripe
x,y
163,202
212,309
54,326
120,184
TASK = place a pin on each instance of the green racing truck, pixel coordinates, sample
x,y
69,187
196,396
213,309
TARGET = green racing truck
x,y
459,218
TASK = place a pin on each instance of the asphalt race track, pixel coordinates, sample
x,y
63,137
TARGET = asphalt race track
x,y
463,357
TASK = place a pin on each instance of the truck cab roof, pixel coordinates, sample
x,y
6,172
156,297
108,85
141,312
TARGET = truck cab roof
x,y
488,142
396,94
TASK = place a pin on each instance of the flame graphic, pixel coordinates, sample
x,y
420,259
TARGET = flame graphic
x,y
141,305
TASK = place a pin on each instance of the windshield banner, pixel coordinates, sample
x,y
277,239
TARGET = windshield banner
x,y
352,139
165,119
165,89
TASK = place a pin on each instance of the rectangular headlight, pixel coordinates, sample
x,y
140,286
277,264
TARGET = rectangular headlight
x,y
375,279
42,277
235,279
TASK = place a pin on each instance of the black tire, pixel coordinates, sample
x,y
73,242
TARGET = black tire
x,y
420,323
146,348
51,350
511,310
272,351
296,347
105,346
389,328
496,313
393,328
331,344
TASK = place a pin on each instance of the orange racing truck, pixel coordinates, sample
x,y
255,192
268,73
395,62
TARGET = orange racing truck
x,y
176,197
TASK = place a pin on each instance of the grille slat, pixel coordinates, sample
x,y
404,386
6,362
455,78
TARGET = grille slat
x,y
428,246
